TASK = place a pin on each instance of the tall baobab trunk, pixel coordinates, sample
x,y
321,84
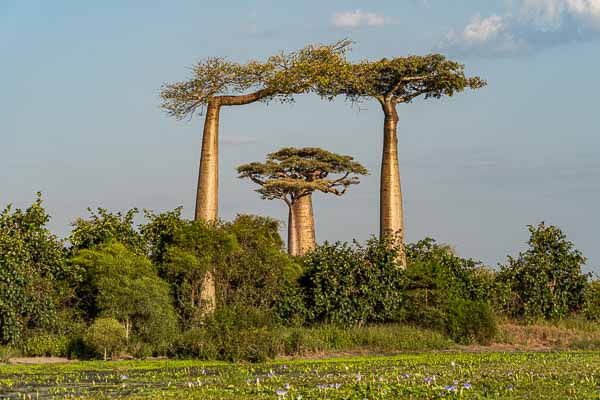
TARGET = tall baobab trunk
x,y
207,197
304,225
390,202
292,232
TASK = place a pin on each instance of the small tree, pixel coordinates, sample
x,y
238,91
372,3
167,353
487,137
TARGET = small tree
x,y
122,285
391,82
292,175
545,281
106,336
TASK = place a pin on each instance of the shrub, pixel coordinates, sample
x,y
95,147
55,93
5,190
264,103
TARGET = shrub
x,y
46,345
106,336
242,333
592,301
258,271
546,280
448,293
231,334
470,321
196,343
349,285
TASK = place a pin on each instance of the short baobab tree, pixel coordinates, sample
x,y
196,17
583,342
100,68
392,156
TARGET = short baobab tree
x,y
216,83
391,82
293,175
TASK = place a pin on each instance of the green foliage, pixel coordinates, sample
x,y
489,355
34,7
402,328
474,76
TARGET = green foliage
x,y
231,334
448,293
438,375
195,249
400,79
104,227
545,281
123,285
160,232
291,173
350,285
592,301
106,336
42,345
196,343
470,321
257,271
6,353
279,77
33,275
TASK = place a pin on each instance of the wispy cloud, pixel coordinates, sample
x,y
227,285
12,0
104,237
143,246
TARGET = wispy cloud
x,y
238,140
527,26
357,18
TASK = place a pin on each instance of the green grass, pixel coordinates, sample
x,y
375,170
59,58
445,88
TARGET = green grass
x,y
562,375
383,339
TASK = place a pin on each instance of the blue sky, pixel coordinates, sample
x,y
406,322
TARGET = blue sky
x,y
81,119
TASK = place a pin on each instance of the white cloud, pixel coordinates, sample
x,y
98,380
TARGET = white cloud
x,y
357,18
588,11
486,36
528,25
481,30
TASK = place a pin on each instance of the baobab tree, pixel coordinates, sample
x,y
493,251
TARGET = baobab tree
x,y
292,175
391,82
216,83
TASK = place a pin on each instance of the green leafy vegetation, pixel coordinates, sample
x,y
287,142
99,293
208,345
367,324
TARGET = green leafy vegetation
x,y
572,375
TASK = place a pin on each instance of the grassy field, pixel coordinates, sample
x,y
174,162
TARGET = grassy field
x,y
557,375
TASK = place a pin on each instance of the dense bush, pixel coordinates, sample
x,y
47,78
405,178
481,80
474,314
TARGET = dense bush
x,y
545,281
231,334
349,285
448,293
258,270
43,344
34,278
